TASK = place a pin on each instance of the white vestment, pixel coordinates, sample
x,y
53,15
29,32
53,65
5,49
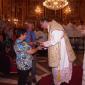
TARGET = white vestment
x,y
65,65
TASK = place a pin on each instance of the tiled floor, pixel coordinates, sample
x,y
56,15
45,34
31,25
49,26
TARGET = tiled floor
x,y
42,70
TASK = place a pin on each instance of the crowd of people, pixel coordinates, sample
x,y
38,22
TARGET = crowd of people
x,y
22,44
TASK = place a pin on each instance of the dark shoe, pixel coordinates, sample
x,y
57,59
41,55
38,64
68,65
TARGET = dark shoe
x,y
64,83
34,80
29,83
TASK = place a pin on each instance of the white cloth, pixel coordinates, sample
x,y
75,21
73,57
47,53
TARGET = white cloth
x,y
65,75
65,67
57,36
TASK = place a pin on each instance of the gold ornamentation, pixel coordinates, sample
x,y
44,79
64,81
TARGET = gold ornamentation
x,y
55,4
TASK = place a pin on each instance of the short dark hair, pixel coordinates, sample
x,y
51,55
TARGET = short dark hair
x,y
20,31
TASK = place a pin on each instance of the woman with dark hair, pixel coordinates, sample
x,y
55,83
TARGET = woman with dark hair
x,y
23,56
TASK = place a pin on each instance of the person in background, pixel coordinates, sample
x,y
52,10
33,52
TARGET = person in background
x,y
31,40
41,36
71,29
81,27
4,60
23,56
60,52
31,37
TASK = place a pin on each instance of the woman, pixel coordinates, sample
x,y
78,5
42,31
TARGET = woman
x,y
23,56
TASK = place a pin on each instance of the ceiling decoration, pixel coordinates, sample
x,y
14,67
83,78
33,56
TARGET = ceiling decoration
x,y
55,4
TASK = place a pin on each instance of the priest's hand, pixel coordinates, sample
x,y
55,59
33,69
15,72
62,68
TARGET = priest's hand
x,y
42,44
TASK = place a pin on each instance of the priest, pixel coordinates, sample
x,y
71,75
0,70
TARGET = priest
x,y
60,52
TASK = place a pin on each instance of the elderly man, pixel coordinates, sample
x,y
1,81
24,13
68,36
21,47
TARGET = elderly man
x,y
31,39
60,53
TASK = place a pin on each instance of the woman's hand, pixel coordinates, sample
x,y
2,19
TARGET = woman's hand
x,y
42,44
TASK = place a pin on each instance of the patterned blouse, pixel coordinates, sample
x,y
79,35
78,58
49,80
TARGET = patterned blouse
x,y
23,59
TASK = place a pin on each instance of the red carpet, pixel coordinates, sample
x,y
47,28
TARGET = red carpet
x,y
13,68
76,77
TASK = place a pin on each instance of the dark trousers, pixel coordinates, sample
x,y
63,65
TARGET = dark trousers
x,y
23,76
33,71
33,68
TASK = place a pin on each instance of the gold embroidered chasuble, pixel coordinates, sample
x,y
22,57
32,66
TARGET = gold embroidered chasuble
x,y
54,50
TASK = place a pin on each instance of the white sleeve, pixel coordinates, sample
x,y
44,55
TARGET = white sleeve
x,y
56,37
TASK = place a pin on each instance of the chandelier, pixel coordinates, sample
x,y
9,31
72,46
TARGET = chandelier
x,y
55,4
67,10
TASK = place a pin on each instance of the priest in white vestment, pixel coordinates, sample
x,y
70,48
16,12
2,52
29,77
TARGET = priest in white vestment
x,y
60,52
